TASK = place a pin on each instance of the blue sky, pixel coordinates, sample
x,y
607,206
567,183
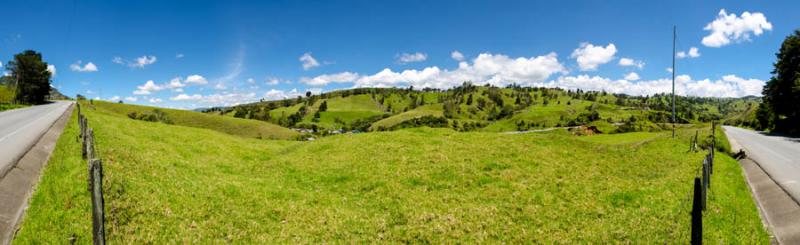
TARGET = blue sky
x,y
188,54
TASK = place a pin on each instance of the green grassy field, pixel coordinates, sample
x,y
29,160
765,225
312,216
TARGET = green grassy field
x,y
229,125
174,184
428,110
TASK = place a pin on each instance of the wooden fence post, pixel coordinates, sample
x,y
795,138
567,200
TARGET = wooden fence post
x,y
90,154
83,136
697,213
98,213
704,184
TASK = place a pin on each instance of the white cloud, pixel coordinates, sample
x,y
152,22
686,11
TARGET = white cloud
x,y
228,99
142,61
251,80
178,56
196,79
631,62
155,100
139,62
308,61
589,57
692,53
322,80
458,56
175,84
89,67
274,81
726,28
50,68
496,69
131,99
728,86
148,88
114,98
274,94
1,64
406,58
220,86
632,76
181,97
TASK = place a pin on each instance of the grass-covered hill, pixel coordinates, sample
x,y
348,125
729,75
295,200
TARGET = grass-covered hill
x,y
486,108
228,125
167,183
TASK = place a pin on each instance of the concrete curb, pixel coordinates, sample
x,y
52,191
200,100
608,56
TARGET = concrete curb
x,y
18,184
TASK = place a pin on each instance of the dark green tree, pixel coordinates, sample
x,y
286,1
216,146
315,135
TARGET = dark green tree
x,y
30,77
780,110
323,107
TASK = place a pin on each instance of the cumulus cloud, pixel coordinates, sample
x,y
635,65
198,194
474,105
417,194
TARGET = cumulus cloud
x,y
155,100
692,53
728,27
274,81
632,76
114,98
589,57
176,84
196,79
148,88
50,68
631,62
406,58
308,61
139,62
458,56
220,86
274,94
88,67
728,86
181,97
131,99
496,69
322,80
143,61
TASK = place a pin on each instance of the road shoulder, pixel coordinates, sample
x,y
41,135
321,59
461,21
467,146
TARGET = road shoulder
x,y
778,210
19,183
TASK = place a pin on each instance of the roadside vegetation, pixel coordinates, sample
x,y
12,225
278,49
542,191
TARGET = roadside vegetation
x,y
778,112
166,183
27,82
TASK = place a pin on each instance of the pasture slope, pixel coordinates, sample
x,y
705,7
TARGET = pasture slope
x,y
174,184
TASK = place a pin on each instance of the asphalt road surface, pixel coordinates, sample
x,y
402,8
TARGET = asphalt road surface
x,y
779,156
21,128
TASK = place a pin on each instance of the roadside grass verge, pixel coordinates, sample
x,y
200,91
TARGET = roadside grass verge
x,y
4,107
168,183
60,208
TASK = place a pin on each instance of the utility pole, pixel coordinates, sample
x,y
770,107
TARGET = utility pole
x,y
674,36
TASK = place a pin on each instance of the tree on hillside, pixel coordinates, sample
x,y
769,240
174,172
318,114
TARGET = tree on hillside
x,y
323,107
779,110
30,77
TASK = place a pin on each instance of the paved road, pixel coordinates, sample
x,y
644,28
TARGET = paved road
x,y
778,156
21,128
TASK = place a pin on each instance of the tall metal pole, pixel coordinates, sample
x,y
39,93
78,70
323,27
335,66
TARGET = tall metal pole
x,y
674,35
